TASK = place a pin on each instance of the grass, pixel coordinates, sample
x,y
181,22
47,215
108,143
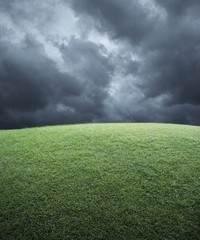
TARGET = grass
x,y
100,181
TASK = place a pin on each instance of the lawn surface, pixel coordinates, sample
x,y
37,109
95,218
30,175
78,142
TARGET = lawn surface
x,y
100,181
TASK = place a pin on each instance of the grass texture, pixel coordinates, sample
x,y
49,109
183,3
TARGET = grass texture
x,y
100,181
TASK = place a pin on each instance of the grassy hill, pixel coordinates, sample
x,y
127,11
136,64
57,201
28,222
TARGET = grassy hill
x,y
100,181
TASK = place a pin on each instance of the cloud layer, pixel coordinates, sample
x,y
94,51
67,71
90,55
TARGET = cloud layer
x,y
72,61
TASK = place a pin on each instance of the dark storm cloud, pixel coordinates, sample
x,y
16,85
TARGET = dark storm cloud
x,y
34,92
177,75
29,81
114,61
120,19
172,59
179,7
94,70
168,45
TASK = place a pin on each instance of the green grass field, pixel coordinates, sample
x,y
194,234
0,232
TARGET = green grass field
x,y
100,181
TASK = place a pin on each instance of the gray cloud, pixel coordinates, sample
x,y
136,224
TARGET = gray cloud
x,y
129,21
31,85
67,61
179,8
30,81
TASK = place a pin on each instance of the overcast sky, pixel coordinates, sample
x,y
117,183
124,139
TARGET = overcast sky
x,y
77,61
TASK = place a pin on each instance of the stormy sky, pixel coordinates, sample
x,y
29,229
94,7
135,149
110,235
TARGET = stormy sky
x,y
81,61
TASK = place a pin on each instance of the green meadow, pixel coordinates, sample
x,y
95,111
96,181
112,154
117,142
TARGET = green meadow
x,y
100,181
